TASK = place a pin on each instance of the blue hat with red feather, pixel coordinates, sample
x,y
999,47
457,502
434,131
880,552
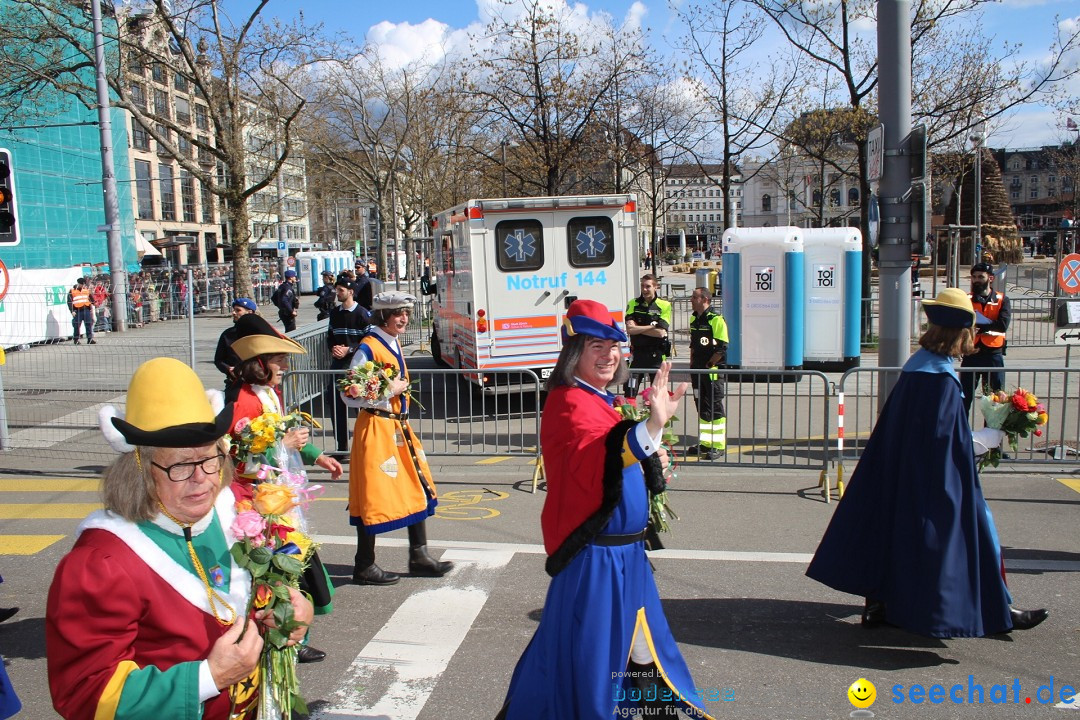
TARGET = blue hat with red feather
x,y
588,317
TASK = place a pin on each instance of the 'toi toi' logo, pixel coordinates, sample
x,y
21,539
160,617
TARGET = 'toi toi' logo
x,y
862,695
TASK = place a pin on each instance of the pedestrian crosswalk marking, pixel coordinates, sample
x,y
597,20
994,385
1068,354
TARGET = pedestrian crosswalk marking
x,y
47,511
62,428
1074,484
416,645
49,485
26,544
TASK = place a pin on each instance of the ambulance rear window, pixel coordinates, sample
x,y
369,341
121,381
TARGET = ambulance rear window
x,y
591,241
519,245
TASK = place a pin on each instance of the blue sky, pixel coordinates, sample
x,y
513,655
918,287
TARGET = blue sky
x,y
406,26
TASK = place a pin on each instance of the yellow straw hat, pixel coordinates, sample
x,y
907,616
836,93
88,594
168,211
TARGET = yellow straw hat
x,y
952,308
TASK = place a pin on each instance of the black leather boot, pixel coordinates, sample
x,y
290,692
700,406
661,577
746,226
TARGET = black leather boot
x,y
420,563
365,571
873,614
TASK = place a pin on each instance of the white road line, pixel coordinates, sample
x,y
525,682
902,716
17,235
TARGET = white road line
x,y
406,658
62,429
1072,703
676,554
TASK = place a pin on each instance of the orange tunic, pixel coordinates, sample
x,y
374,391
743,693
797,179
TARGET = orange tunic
x,y
390,483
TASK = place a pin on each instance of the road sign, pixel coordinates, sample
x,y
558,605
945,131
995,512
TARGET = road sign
x,y
291,262
282,248
1069,274
1067,336
875,153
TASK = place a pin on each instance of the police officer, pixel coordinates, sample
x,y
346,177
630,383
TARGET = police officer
x,y
81,307
287,300
989,337
648,319
363,290
708,349
225,359
325,302
348,324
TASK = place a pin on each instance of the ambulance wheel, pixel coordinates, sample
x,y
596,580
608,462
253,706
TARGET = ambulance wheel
x,y
436,350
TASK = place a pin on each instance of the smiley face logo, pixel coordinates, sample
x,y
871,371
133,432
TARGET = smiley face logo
x,y
862,693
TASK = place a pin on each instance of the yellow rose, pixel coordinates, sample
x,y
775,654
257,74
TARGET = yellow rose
x,y
301,541
273,499
368,366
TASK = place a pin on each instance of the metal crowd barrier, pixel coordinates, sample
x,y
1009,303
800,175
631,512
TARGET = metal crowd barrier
x,y
858,404
449,415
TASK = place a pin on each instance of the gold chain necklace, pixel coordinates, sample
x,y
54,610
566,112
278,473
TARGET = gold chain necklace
x,y
213,596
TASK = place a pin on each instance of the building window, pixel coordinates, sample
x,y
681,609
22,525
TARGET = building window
x,y
207,198
163,132
1034,179
184,146
168,192
161,103
202,121
766,203
140,139
853,197
144,191
206,157
157,71
1015,194
1034,193
138,96
135,64
187,195
183,110
180,83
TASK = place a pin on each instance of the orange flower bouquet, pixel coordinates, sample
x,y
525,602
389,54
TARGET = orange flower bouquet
x,y
1017,415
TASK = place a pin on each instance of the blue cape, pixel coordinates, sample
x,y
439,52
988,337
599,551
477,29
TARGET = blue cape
x,y
913,530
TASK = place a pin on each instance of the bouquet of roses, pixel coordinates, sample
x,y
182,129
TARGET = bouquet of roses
x,y
275,553
260,434
368,381
1016,415
659,508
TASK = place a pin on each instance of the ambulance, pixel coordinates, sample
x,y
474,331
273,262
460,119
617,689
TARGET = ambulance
x,y
505,271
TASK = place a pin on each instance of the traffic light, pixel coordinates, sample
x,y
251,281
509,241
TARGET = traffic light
x,y
9,225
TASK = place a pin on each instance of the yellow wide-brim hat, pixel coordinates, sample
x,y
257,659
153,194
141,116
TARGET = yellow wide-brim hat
x,y
952,308
256,336
167,406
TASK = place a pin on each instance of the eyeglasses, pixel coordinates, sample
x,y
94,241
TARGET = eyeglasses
x,y
182,471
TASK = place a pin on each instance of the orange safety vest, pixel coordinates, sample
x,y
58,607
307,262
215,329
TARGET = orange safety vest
x,y
991,310
79,298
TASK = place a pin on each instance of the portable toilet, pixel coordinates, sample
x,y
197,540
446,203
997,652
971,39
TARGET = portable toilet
x,y
833,258
308,268
763,297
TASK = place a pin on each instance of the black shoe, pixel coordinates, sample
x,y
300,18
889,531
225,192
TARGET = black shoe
x,y
308,654
91,342
75,340
7,613
423,565
873,614
1006,456
711,454
374,575
1027,619
693,451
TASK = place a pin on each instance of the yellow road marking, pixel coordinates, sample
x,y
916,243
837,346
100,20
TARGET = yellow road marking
x,y
26,544
49,485
491,460
1074,484
46,511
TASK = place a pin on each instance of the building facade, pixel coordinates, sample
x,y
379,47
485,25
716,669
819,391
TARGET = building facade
x,y
1040,184
694,205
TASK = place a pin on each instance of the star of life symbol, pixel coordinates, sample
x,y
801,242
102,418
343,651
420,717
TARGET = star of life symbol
x,y
590,242
520,246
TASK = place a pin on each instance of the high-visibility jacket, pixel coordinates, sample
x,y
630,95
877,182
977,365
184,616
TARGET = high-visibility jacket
x,y
78,297
658,313
995,306
708,336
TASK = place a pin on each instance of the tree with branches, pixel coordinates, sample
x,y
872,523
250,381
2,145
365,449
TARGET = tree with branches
x,y
250,73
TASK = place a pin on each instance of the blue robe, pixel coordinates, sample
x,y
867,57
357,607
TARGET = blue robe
x,y
913,530
572,668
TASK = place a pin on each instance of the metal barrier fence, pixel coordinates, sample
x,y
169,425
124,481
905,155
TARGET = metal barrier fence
x,y
450,416
858,399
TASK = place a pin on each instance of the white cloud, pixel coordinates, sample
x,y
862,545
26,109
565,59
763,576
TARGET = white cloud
x,y
402,44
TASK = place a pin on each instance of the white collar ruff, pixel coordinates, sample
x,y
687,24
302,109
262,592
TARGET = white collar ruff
x,y
183,580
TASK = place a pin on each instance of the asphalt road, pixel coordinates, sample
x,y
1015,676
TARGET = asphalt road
x,y
747,620
752,627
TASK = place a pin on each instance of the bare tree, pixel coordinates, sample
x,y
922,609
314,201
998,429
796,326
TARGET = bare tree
x,y
542,85
249,73
741,99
